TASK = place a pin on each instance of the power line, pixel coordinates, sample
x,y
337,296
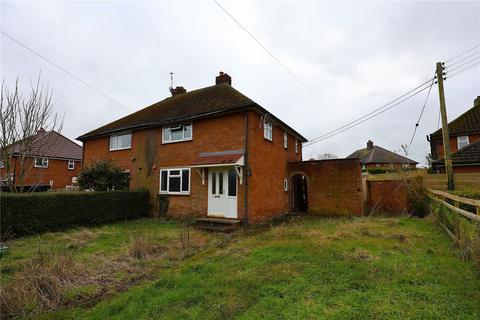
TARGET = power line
x,y
464,52
63,69
461,65
312,93
420,116
453,75
463,59
366,119
370,113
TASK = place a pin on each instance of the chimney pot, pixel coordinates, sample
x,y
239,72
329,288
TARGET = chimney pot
x,y
178,90
369,144
223,78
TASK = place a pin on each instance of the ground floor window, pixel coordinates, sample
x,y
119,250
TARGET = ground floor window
x,y
175,181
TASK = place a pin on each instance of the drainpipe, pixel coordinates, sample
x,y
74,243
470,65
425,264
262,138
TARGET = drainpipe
x,y
245,157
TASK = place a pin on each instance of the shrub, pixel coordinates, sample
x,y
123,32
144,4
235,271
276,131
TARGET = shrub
x,y
102,176
32,213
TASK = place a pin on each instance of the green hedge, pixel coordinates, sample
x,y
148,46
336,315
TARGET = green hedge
x,y
31,213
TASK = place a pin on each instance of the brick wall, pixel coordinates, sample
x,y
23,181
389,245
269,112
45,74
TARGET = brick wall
x,y
388,196
334,186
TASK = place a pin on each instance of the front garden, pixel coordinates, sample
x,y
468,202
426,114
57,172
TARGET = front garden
x,y
375,268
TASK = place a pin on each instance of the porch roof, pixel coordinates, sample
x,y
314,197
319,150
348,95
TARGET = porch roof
x,y
218,160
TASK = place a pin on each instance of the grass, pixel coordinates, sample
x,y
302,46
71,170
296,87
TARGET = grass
x,y
84,266
308,268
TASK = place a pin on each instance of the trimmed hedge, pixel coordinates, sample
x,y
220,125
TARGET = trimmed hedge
x,y
31,213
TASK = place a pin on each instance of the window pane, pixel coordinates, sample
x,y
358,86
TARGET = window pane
x,y
124,141
220,182
187,131
113,142
163,181
166,134
174,172
174,184
214,183
232,183
176,134
185,180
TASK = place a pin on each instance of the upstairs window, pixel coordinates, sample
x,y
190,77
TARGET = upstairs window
x,y
71,164
175,181
41,163
462,141
296,146
120,141
1,164
182,132
267,130
285,140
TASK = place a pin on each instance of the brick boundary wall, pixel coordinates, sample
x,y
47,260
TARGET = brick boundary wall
x,y
387,197
334,187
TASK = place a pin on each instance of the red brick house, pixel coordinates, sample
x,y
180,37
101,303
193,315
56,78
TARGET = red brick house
x,y
213,152
464,132
54,162
376,157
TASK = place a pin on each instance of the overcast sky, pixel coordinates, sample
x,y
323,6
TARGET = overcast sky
x,y
355,56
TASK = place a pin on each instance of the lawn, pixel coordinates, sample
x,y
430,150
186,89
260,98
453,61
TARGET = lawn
x,y
363,268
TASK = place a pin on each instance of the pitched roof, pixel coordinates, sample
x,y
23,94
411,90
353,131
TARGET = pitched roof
x,y
379,155
467,123
470,154
50,144
201,103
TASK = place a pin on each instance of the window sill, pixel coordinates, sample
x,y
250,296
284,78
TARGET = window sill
x,y
174,193
120,149
177,141
270,140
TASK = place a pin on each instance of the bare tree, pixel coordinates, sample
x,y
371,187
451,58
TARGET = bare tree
x,y
21,120
326,156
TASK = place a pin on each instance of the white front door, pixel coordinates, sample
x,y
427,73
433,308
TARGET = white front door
x,y
222,192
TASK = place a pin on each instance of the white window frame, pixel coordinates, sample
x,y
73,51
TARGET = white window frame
x,y
267,130
285,139
168,139
43,165
296,145
465,138
114,137
285,184
168,181
72,163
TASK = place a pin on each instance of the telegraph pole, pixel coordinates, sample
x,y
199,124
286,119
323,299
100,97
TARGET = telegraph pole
x,y
445,135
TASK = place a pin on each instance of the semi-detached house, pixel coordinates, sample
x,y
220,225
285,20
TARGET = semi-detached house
x,y
213,152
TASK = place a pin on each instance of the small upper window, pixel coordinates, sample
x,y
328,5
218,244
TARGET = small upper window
x,y
462,141
71,164
181,132
41,163
285,184
121,141
296,146
267,130
285,140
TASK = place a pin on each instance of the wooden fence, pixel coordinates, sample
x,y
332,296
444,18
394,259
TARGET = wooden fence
x,y
462,181
442,197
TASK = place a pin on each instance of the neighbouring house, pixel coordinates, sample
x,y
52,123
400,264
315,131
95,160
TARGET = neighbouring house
x,y
376,157
53,161
211,152
464,134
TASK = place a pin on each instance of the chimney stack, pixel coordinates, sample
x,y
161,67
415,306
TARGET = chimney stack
x,y
223,78
476,102
369,144
178,90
